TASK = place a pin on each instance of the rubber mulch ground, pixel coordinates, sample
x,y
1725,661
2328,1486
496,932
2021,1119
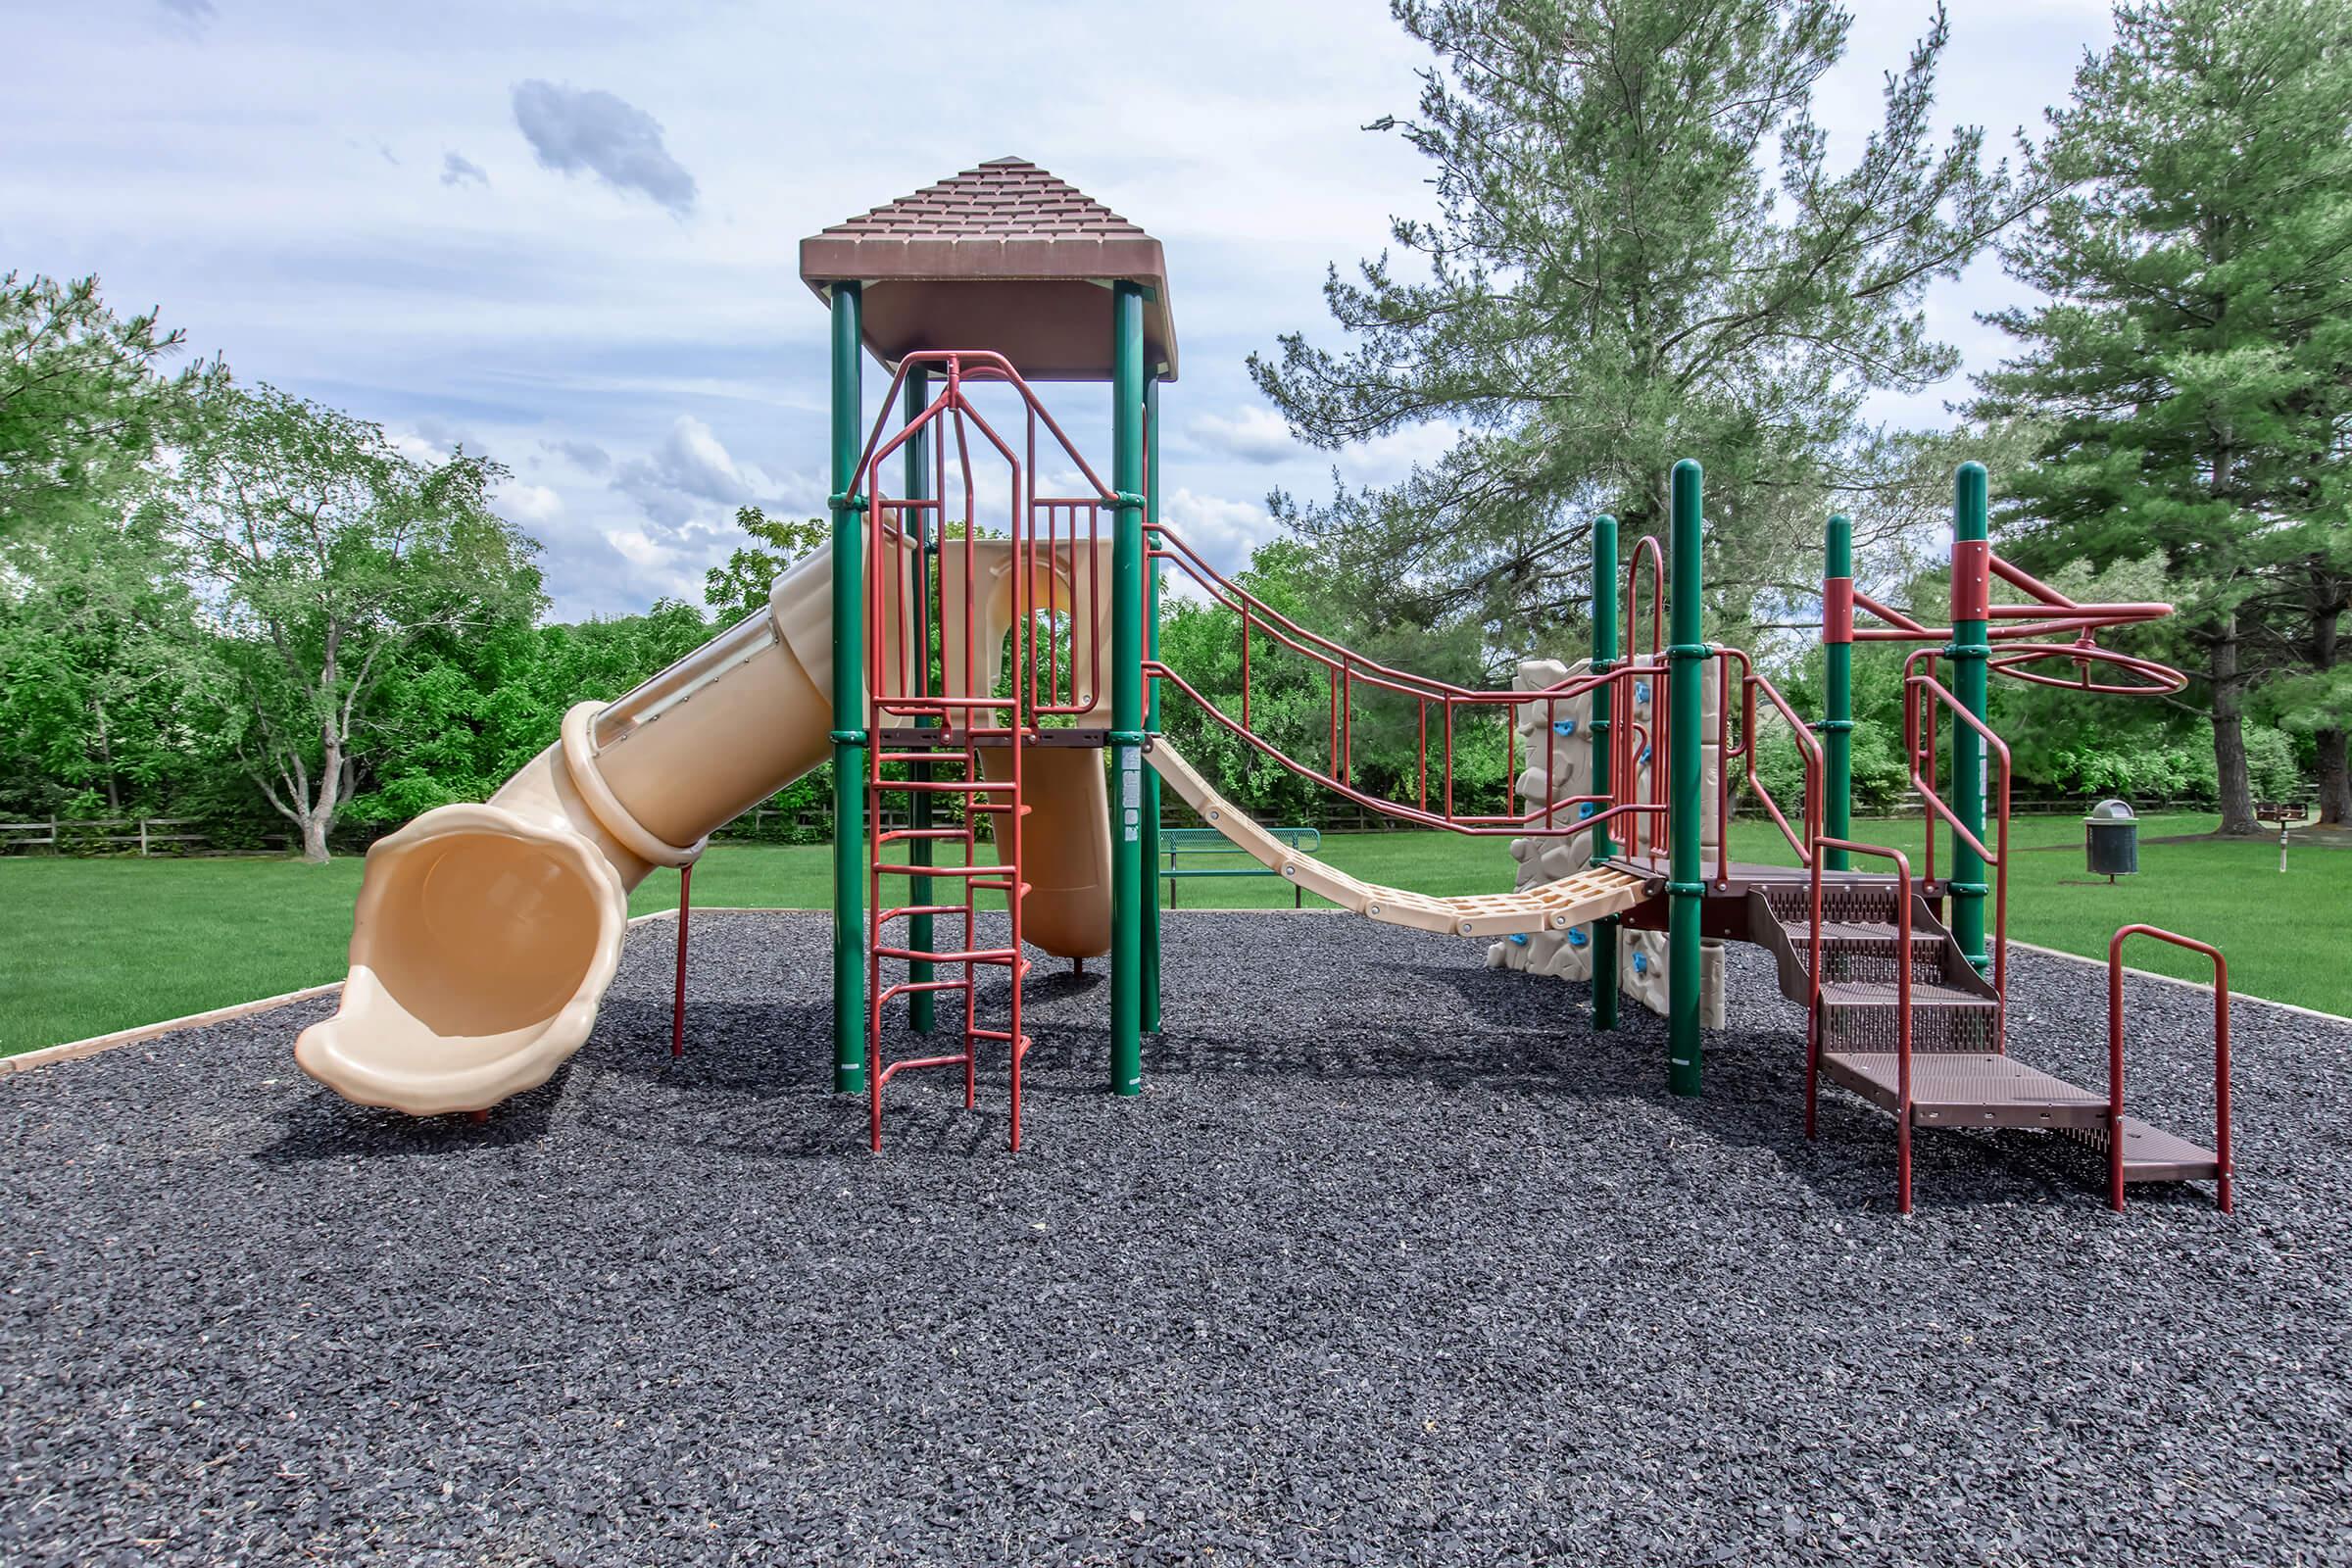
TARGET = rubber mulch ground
x,y
1396,1261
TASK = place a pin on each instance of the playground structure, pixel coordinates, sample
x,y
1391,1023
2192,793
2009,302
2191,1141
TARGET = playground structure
x,y
976,663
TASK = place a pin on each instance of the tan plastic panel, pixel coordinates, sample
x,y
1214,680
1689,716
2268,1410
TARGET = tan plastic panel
x,y
1071,579
1066,845
1557,906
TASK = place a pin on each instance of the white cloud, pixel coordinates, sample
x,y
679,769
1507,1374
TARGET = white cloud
x,y
692,470
1221,532
459,169
1252,433
639,549
530,503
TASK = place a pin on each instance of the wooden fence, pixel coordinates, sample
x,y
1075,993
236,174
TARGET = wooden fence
x,y
118,835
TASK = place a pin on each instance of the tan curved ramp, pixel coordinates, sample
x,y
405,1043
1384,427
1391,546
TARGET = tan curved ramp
x,y
1553,906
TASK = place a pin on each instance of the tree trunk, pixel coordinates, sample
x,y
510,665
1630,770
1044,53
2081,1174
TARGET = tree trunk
x,y
314,837
106,758
2335,787
2335,781
2230,736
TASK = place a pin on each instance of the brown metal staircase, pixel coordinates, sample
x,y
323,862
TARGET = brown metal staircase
x,y
1952,1066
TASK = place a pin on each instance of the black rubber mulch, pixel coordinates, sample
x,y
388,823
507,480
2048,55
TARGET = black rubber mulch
x,y
1396,1261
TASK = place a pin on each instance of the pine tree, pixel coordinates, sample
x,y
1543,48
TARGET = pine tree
x,y
1615,279
2193,364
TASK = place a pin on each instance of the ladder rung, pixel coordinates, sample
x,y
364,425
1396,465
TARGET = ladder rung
x,y
937,870
944,786
909,987
899,834
904,909
963,956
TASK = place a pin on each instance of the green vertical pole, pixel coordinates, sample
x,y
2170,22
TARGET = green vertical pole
x,y
1837,681
1683,889
849,703
1127,692
1151,848
1970,649
920,1012
1604,659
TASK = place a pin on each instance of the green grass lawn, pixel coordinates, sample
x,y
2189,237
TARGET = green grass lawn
x,y
102,944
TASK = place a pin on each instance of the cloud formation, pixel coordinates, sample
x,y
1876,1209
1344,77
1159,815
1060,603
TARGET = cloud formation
x,y
459,169
692,470
1253,433
574,130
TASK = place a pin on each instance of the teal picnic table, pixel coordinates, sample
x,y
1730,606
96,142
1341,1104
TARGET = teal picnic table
x,y
1208,841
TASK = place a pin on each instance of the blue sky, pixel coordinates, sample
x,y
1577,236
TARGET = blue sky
x,y
567,234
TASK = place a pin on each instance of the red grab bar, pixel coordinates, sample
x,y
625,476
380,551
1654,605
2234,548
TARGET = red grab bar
x,y
2115,1056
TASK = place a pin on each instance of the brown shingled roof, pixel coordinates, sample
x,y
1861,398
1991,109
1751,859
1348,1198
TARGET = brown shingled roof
x,y
1002,256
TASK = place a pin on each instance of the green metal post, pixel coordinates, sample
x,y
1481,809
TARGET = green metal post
x,y
1127,692
1151,850
920,1012
1971,589
1683,889
849,702
1604,659
1837,681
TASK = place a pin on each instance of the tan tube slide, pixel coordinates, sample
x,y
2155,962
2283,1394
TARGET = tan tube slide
x,y
485,936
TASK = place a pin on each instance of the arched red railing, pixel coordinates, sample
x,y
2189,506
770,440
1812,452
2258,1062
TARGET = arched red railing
x,y
1440,707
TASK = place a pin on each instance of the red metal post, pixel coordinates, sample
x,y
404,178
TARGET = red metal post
x,y
2224,1164
677,1005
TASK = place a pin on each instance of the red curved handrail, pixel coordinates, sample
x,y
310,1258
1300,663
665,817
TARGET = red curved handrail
x,y
2115,1057
1808,749
2162,679
1646,548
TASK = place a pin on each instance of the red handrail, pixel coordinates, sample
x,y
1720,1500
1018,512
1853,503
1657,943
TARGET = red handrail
x,y
1646,548
1903,992
1808,748
2115,1057
1345,669
1998,858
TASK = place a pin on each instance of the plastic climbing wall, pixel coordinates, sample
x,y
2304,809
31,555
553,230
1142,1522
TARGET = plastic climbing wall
x,y
1560,767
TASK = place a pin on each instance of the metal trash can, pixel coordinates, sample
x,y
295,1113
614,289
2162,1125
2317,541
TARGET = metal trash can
x,y
2111,840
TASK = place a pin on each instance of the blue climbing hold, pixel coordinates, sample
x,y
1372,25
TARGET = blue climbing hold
x,y
1645,754
1577,937
1584,810
1640,964
1565,726
1640,691
1518,939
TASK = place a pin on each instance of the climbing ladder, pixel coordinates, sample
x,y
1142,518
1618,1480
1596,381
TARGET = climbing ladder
x,y
951,728
945,766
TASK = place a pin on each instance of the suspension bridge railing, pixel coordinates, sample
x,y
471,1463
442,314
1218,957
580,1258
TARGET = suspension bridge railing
x,y
1441,711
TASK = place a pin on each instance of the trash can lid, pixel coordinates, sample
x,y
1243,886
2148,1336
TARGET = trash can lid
x,y
2111,811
